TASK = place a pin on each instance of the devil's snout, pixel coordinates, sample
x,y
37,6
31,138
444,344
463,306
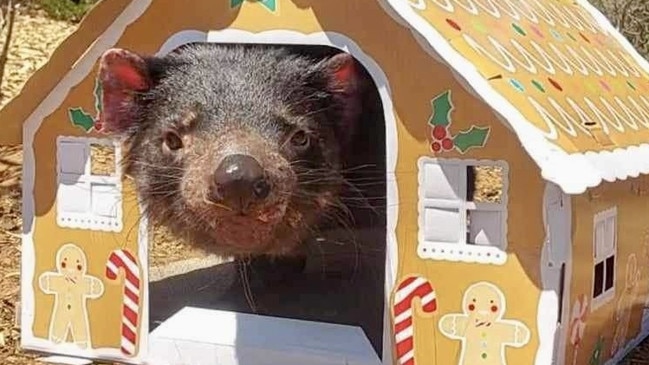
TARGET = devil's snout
x,y
239,181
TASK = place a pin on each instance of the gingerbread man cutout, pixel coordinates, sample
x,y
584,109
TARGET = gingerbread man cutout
x,y
483,332
622,315
71,286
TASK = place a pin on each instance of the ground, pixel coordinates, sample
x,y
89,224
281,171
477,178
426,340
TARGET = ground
x,y
36,36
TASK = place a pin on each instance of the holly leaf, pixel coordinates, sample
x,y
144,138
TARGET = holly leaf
x,y
98,95
81,119
270,4
442,108
474,137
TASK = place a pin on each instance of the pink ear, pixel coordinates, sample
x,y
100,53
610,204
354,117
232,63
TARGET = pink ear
x,y
345,83
343,72
122,74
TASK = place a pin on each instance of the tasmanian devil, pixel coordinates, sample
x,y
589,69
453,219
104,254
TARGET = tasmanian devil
x,y
237,148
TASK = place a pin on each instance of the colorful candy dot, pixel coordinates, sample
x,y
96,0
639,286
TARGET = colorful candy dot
x,y
517,85
605,85
538,86
584,37
571,36
484,355
555,84
454,25
477,24
518,29
591,87
556,35
630,85
537,31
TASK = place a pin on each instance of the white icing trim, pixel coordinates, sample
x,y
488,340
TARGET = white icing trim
x,y
461,251
83,67
575,172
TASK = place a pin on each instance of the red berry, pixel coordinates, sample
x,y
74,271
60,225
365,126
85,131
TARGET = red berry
x,y
98,126
447,143
436,146
439,132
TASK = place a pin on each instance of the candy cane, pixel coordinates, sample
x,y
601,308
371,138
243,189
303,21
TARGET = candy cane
x,y
123,259
578,323
410,288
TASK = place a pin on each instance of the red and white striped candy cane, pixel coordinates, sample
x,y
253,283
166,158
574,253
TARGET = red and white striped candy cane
x,y
411,287
123,259
578,324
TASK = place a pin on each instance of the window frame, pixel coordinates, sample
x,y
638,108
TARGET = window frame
x,y
607,295
461,250
89,220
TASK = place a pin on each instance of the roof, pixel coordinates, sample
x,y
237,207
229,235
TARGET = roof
x,y
41,83
555,71
571,87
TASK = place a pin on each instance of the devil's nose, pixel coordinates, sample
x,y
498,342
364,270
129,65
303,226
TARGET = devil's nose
x,y
240,180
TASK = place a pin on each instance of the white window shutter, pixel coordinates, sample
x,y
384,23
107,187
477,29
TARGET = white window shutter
x,y
447,182
105,200
443,225
609,238
73,197
600,244
485,228
72,158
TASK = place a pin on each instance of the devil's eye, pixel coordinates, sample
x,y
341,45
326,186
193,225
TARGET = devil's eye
x,y
173,141
300,139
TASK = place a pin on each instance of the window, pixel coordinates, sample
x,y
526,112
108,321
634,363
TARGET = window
x,y
604,253
462,210
89,194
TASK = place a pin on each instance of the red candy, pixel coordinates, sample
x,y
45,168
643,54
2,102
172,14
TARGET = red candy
x,y
436,146
439,132
447,143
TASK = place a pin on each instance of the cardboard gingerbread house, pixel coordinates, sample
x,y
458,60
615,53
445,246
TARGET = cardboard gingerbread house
x,y
545,94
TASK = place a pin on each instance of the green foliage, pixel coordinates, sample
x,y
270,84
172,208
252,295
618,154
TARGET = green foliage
x,y
66,10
